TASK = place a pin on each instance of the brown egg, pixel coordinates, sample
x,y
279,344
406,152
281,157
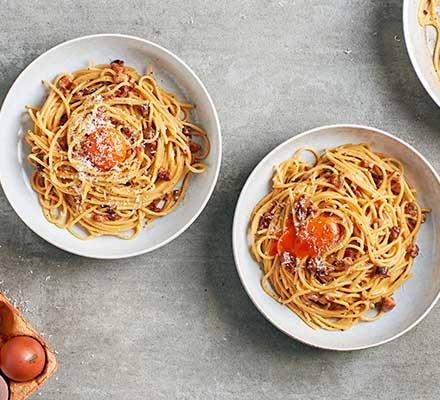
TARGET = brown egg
x,y
22,358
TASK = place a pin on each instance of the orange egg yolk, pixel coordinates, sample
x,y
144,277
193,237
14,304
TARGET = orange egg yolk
x,y
317,236
106,148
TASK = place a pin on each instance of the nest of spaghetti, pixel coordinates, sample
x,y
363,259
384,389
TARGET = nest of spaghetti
x,y
12,325
336,237
112,151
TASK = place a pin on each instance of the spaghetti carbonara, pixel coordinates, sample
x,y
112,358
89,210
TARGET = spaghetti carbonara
x,y
337,237
112,151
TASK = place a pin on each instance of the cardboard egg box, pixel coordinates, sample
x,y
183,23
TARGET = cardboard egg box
x,y
13,324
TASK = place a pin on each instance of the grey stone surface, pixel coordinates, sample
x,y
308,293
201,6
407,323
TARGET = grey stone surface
x,y
176,323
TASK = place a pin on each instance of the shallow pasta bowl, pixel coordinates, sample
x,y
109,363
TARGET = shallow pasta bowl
x,y
420,43
415,298
171,73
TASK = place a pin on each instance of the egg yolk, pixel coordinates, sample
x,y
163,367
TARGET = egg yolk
x,y
317,236
105,148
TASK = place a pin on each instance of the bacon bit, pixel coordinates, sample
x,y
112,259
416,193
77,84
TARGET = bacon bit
x,y
83,92
344,264
311,264
148,132
332,259
123,91
152,147
39,167
117,66
337,307
65,85
154,205
164,174
411,224
316,266
176,195
377,179
288,261
265,220
351,253
425,215
340,264
99,217
140,149
324,299
100,112
125,130
304,209
112,215
312,296
63,143
289,268
411,209
337,180
394,234
88,90
395,187
300,208
367,164
332,263
119,78
194,147
63,119
388,303
144,109
412,250
383,271
186,130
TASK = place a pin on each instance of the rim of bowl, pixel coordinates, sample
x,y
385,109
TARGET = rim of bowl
x,y
236,236
412,53
217,160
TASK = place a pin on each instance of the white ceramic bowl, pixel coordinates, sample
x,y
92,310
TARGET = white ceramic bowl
x,y
414,299
420,42
171,73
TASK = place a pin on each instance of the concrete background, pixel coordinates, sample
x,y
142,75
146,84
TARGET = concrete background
x,y
176,324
